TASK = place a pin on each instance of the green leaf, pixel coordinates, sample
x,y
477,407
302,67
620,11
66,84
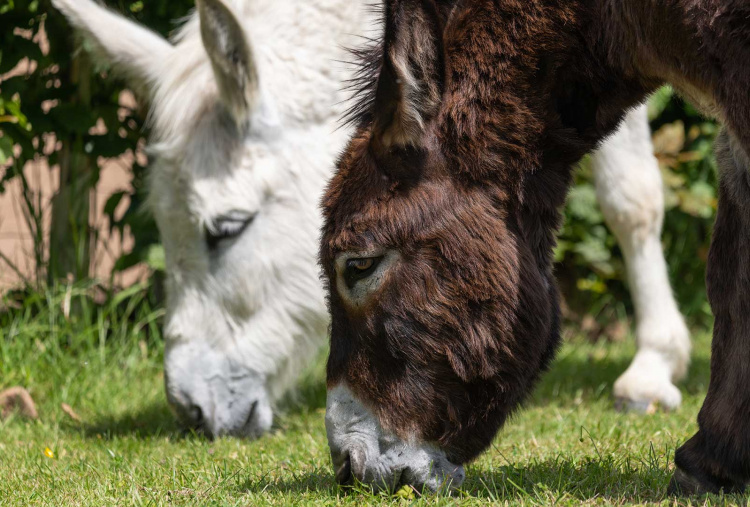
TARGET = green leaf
x,y
593,250
7,6
156,259
659,102
699,201
6,149
582,204
13,107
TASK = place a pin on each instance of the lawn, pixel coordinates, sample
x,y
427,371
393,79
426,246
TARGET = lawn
x,y
568,446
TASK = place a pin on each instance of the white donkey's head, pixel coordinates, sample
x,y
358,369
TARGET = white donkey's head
x,y
243,110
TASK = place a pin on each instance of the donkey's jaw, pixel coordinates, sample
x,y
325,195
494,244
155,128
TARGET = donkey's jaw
x,y
361,449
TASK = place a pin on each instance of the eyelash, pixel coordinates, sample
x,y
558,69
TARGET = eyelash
x,y
224,228
353,275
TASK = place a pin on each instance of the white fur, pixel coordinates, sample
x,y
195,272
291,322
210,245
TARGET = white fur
x,y
629,187
242,322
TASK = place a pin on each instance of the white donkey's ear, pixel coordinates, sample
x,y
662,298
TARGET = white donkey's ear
x,y
134,52
231,57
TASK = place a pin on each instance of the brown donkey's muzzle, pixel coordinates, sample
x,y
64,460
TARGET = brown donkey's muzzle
x,y
361,450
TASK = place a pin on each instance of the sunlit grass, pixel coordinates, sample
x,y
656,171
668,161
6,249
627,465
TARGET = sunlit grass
x,y
568,446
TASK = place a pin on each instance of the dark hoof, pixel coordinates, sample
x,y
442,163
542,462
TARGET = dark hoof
x,y
684,484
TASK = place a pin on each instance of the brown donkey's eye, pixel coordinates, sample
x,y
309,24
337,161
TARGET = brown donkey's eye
x,y
359,269
361,264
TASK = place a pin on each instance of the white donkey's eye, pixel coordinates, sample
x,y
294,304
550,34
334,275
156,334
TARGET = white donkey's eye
x,y
227,226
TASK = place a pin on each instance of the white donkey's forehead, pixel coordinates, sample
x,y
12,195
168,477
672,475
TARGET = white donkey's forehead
x,y
219,170
209,167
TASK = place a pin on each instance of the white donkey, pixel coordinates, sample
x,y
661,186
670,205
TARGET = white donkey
x,y
245,103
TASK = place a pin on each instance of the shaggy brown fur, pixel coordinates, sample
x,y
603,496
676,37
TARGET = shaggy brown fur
x,y
462,163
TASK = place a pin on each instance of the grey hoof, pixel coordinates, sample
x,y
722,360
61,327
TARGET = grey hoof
x,y
637,406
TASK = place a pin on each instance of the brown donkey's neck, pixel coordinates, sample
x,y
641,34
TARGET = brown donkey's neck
x,y
532,86
530,89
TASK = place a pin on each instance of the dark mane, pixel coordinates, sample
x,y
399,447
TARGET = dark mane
x,y
367,60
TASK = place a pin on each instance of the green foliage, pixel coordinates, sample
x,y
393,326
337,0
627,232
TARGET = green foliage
x,y
590,264
77,320
50,92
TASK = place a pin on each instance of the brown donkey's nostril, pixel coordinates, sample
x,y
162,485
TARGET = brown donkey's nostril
x,y
344,473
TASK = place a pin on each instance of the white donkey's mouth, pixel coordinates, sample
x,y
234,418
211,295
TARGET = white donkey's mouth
x,y
361,450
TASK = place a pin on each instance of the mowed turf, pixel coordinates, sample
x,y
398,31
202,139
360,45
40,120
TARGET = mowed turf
x,y
567,446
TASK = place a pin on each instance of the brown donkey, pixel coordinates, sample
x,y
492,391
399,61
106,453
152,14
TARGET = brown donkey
x,y
441,220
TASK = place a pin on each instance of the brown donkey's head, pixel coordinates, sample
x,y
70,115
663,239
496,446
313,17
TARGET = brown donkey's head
x,y
439,229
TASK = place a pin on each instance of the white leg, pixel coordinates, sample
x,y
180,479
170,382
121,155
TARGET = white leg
x,y
630,192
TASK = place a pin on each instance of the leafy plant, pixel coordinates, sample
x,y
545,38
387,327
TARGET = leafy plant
x,y
54,104
590,264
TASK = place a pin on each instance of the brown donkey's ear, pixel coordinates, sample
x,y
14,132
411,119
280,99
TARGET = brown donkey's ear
x,y
410,85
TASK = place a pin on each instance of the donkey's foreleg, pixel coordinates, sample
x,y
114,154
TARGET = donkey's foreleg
x,y
630,192
718,456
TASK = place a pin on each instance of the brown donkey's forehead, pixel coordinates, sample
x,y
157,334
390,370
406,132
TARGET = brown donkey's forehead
x,y
368,211
363,206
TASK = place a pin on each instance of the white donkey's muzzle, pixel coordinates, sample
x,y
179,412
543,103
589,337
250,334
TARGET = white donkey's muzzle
x,y
210,392
362,450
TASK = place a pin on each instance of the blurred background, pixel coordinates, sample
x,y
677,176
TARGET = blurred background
x,y
78,249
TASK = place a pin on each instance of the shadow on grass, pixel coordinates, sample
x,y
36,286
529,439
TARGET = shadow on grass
x,y
608,478
153,421
318,481
572,375
540,483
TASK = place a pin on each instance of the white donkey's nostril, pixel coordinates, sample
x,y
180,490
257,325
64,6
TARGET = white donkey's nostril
x,y
195,415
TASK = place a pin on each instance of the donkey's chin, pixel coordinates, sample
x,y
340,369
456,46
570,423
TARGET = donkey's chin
x,y
245,422
362,451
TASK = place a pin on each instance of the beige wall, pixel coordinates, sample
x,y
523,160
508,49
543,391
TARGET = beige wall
x,y
16,240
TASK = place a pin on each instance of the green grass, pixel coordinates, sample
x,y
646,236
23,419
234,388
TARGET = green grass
x,y
568,446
